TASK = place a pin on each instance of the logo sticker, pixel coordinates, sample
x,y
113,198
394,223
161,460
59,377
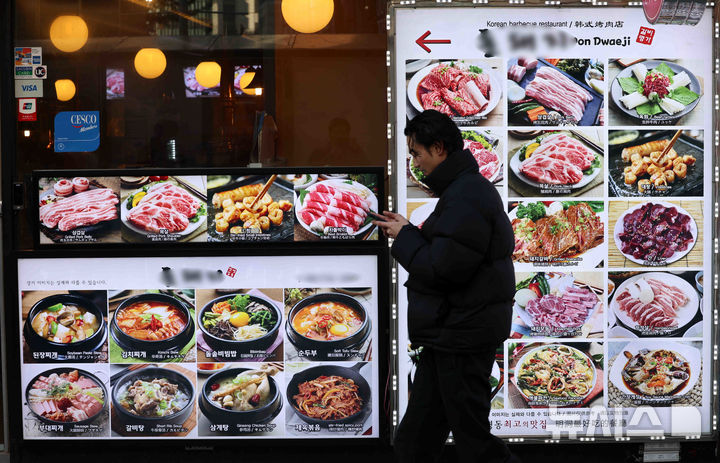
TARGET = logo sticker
x,y
77,131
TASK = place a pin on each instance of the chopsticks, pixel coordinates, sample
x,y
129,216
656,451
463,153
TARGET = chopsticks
x,y
192,189
672,142
263,191
587,141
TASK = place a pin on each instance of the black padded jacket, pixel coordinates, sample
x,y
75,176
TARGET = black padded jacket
x,y
461,279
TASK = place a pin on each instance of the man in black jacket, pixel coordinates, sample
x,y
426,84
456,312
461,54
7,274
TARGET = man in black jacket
x,y
460,289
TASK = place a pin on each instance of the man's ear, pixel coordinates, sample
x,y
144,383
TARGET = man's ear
x,y
437,148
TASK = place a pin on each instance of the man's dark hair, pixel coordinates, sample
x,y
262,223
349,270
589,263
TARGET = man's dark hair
x,y
432,126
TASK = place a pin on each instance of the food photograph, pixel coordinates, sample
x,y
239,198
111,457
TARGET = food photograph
x,y
240,325
654,373
164,209
337,207
152,326
555,304
328,324
558,233
655,304
256,208
242,399
328,399
64,326
152,400
541,375
66,401
656,233
467,90
79,210
656,163
555,92
655,92
559,163
486,147
114,83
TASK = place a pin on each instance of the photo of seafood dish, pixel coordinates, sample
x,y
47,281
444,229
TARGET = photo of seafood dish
x,y
655,233
337,207
555,374
79,209
485,148
656,91
235,211
462,89
557,159
168,210
638,168
555,304
554,92
547,231
66,395
655,304
655,371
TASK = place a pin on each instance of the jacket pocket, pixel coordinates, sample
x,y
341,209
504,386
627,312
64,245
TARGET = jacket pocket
x,y
424,314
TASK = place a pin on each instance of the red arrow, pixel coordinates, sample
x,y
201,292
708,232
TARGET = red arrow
x,y
421,41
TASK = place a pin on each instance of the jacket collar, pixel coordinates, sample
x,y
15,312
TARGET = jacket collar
x,y
455,165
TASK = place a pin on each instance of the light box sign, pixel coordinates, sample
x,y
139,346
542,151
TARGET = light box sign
x,y
199,347
567,114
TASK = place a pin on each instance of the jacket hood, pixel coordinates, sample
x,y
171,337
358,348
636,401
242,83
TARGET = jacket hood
x,y
456,164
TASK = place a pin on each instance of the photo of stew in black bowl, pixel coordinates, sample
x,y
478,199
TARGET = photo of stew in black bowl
x,y
330,325
241,396
66,396
153,397
152,323
240,322
64,323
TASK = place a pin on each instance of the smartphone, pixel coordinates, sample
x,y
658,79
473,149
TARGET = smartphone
x,y
377,216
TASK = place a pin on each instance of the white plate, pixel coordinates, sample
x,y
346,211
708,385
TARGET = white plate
x,y
619,227
210,372
422,213
495,88
528,319
124,211
301,186
691,354
620,332
341,185
684,314
590,258
515,167
519,364
695,331
416,65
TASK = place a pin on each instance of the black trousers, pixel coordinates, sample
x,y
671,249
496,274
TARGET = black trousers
x,y
451,392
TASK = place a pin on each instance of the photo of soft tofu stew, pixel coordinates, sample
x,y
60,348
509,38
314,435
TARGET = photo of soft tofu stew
x,y
65,323
327,321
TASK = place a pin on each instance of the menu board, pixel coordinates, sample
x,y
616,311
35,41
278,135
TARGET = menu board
x,y
568,115
74,208
199,347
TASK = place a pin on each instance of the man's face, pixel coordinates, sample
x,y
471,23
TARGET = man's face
x,y
426,158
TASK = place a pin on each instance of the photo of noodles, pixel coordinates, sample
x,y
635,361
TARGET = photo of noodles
x,y
556,373
328,398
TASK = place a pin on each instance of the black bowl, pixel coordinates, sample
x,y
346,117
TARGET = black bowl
x,y
312,373
258,344
148,374
261,415
175,343
68,370
343,348
39,344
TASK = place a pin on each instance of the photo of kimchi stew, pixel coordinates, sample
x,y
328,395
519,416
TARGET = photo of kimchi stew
x,y
657,372
328,398
555,372
151,320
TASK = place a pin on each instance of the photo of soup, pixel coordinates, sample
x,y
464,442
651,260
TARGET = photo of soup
x,y
151,320
156,398
65,323
327,321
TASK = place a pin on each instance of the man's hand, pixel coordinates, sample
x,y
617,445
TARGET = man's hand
x,y
390,223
